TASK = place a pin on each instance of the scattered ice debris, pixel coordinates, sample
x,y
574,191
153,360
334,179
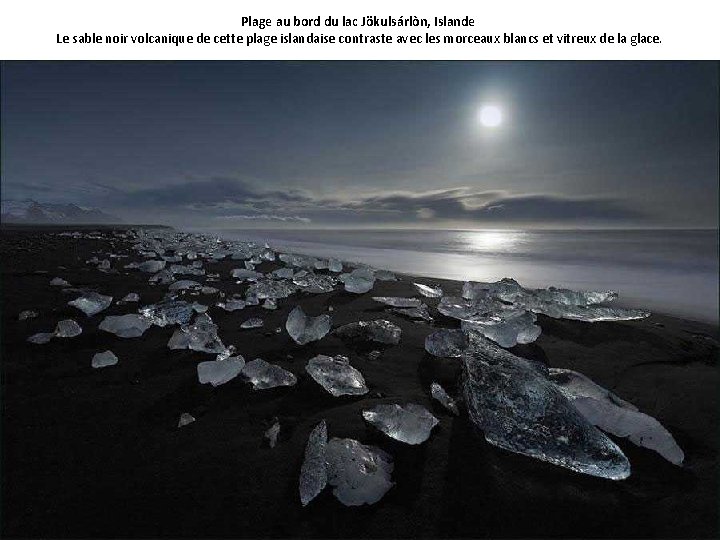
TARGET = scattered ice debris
x,y
171,312
41,338
380,331
439,393
428,291
163,277
270,288
67,329
254,322
104,359
605,410
359,281
272,434
374,355
270,303
27,314
398,302
304,329
409,423
507,328
129,297
447,343
152,266
232,304
217,372
385,275
91,303
208,290
184,284
314,283
126,326
416,313
511,400
335,266
282,273
336,375
201,336
243,274
313,472
59,282
359,474
185,419
264,375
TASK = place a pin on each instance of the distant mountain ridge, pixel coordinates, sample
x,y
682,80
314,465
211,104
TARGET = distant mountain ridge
x,y
30,211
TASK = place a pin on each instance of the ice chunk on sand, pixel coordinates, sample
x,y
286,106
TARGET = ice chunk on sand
x,y
185,419
67,329
439,393
335,266
428,291
232,304
164,277
282,273
272,434
59,282
170,312
152,266
519,409
217,372
270,288
605,410
336,375
129,297
126,326
447,343
184,284
201,336
41,338
359,474
264,375
416,313
304,329
385,275
313,473
315,283
270,303
359,281
91,303
104,359
27,314
399,302
506,328
380,331
585,313
409,423
254,322
244,274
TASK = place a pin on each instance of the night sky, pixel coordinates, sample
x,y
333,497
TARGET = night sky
x,y
316,144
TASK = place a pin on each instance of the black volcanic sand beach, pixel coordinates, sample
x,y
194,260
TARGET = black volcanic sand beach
x,y
97,453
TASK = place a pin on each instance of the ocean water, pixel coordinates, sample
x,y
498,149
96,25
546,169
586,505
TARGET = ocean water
x,y
668,271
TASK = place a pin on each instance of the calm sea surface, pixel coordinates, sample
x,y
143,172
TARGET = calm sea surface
x,y
669,271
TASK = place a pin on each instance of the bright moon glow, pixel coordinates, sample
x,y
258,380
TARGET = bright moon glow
x,y
490,116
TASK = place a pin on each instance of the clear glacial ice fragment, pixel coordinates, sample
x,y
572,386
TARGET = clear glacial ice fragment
x,y
104,359
380,331
185,419
447,343
264,375
410,423
359,474
304,329
201,336
217,372
67,329
428,291
253,322
41,338
605,410
163,277
272,434
359,281
170,312
335,266
336,375
232,304
59,282
270,288
91,303
152,266
398,302
439,393
315,283
244,274
511,400
270,303
313,472
27,314
282,273
385,275
507,328
416,313
184,284
126,326
130,297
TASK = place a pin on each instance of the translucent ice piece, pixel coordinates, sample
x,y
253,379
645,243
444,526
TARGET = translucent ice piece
x,y
304,329
244,274
91,303
170,312
380,331
270,303
270,288
447,343
359,474
507,328
184,284
232,304
336,375
130,297
217,372
399,302
416,313
409,423
315,283
428,291
359,281
59,282
264,375
313,473
41,338
201,336
126,326
104,359
272,434
439,393
67,329
520,410
254,322
151,266
185,419
27,314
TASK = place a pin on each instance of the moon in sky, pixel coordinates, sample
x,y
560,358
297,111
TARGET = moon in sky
x,y
490,116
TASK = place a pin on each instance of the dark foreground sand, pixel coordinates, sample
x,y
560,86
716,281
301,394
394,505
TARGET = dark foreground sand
x,y
96,453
